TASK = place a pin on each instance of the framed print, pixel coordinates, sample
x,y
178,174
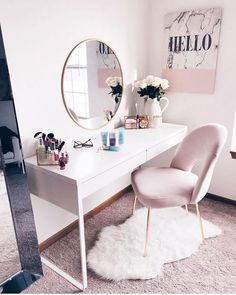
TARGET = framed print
x,y
191,41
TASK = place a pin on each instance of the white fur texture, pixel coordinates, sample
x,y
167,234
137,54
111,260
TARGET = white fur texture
x,y
118,253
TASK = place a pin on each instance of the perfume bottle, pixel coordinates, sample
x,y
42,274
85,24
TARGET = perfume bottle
x,y
50,156
112,138
64,150
114,141
41,151
62,161
55,156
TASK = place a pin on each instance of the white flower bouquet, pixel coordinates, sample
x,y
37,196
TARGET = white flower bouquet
x,y
152,87
116,87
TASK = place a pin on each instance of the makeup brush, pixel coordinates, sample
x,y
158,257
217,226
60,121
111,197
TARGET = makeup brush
x,y
50,136
61,146
38,134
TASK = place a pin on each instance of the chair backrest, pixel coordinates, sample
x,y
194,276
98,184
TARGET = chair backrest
x,y
203,144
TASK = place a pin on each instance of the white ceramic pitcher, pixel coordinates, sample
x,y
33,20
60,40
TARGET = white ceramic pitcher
x,y
154,110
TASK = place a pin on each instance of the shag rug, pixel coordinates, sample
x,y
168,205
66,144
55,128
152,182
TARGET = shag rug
x,y
118,252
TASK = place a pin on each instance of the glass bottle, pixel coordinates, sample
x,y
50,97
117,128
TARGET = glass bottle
x,y
41,152
62,161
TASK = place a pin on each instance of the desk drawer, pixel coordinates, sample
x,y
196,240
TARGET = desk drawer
x,y
161,147
96,183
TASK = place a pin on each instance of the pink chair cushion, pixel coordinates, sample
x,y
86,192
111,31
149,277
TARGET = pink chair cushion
x,y
163,187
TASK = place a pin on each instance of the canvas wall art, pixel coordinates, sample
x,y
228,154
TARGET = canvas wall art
x,y
191,44
108,65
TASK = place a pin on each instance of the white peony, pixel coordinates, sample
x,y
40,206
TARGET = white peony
x,y
149,80
152,81
141,84
113,81
108,80
156,82
164,84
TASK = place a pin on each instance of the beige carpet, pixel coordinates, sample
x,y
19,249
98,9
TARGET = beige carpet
x,y
9,258
211,270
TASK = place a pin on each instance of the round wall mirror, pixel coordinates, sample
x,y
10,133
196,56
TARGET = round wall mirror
x,y
92,84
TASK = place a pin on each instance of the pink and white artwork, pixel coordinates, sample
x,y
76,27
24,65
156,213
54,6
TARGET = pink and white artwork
x,y
191,41
103,74
108,64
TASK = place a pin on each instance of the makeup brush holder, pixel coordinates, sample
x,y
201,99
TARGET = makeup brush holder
x,y
49,151
47,158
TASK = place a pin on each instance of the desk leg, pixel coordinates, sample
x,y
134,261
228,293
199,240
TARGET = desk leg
x,y
82,250
62,273
82,241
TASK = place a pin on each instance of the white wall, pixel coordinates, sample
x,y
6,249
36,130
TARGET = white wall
x,y
39,34
197,109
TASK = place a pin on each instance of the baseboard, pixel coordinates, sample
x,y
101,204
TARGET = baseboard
x,y
220,199
90,214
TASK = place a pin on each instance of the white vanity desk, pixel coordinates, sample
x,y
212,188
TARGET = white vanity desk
x,y
89,170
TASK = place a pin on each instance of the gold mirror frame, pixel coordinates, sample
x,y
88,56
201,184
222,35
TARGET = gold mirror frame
x,y
62,88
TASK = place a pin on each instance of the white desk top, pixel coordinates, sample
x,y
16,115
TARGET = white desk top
x,y
89,170
87,163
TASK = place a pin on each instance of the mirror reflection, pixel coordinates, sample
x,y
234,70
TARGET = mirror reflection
x,y
92,84
9,258
20,262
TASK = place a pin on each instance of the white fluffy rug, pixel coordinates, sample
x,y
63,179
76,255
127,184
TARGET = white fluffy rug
x,y
118,253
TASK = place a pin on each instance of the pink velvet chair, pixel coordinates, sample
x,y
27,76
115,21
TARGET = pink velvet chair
x,y
177,185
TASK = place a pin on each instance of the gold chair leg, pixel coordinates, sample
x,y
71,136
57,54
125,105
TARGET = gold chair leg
x,y
147,232
134,204
186,208
200,222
